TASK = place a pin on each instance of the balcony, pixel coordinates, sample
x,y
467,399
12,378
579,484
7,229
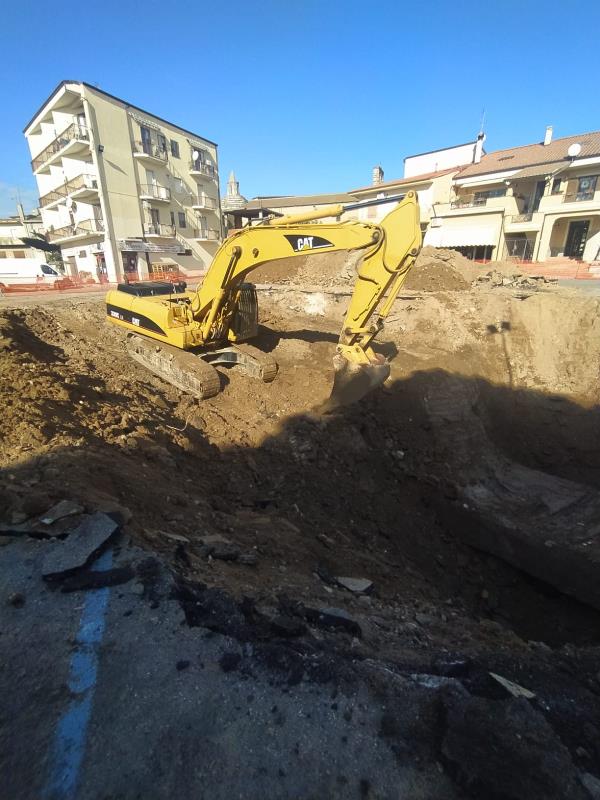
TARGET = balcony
x,y
468,202
528,221
152,191
204,203
83,187
71,141
159,231
207,235
78,230
150,151
199,168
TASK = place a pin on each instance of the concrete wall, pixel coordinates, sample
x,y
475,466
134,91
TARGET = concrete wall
x,y
439,160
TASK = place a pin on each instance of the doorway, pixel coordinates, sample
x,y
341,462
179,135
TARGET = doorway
x,y
576,238
539,193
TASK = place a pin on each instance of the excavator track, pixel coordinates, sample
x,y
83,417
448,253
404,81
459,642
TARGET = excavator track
x,y
251,361
182,369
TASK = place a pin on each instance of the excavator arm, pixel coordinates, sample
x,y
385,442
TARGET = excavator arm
x,y
204,319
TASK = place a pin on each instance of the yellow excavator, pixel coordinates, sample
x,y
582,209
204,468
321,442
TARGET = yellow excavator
x,y
180,335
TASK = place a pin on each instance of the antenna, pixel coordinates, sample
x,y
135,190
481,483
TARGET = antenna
x,y
482,123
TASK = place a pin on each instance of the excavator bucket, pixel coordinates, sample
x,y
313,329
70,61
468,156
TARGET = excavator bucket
x,y
352,381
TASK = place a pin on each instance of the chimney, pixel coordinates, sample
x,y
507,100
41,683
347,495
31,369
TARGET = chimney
x,y
548,136
478,152
377,175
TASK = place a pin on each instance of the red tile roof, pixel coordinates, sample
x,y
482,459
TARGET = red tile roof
x,y
531,154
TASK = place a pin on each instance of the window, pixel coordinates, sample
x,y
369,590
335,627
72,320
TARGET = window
x,y
174,148
48,270
586,187
481,198
2,253
556,186
82,254
173,218
162,143
18,253
181,218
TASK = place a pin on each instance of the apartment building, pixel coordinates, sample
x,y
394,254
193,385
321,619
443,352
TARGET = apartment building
x,y
537,202
19,233
122,191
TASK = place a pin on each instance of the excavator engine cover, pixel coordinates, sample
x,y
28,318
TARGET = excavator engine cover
x,y
244,323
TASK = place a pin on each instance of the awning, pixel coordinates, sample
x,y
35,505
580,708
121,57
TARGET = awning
x,y
540,170
463,236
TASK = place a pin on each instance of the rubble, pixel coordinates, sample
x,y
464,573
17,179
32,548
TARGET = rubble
x,y
65,508
81,547
355,585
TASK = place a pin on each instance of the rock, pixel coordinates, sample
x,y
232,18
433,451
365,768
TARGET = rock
x,y
424,619
248,559
181,665
35,503
18,517
512,687
506,749
230,661
356,585
81,546
16,599
333,618
65,508
97,580
225,552
174,537
287,626
592,784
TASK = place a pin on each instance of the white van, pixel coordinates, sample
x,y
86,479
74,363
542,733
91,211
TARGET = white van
x,y
29,272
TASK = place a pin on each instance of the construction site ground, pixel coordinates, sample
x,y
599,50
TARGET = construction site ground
x,y
231,660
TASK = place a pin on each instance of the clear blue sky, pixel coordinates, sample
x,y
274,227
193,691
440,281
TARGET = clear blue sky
x,y
305,96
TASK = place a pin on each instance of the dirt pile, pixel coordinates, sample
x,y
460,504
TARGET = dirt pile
x,y
436,270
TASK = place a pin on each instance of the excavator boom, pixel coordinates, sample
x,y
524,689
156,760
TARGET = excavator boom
x,y
213,321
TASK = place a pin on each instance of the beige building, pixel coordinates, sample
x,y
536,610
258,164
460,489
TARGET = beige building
x,y
533,203
122,191
18,233
431,187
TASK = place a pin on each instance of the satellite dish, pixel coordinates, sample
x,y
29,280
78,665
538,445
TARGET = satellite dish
x,y
195,155
574,150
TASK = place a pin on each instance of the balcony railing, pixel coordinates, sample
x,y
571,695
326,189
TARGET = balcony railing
x,y
468,202
521,217
208,234
155,191
196,165
74,133
152,229
150,149
87,227
75,184
205,202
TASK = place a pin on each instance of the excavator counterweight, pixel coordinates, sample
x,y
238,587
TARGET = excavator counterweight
x,y
180,334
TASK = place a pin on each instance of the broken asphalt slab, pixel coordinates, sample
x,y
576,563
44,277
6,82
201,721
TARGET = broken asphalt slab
x,y
81,546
